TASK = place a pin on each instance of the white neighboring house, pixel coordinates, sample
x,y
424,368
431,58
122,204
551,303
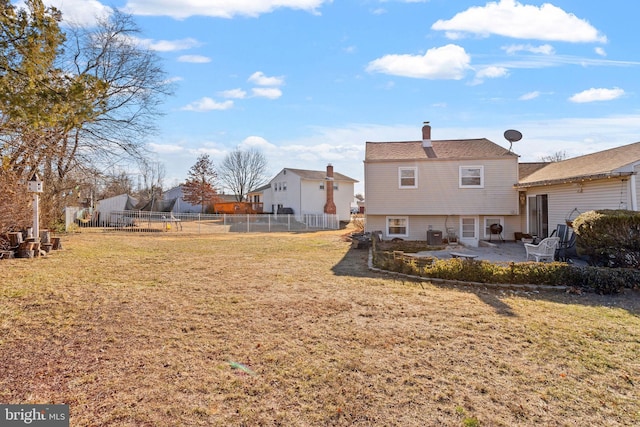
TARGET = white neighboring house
x,y
301,192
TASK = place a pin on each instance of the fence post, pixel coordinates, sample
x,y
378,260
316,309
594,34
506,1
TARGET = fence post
x,y
248,224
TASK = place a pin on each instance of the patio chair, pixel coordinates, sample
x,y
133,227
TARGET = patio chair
x,y
545,250
565,244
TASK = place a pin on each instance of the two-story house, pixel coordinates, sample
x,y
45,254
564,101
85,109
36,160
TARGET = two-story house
x,y
458,187
301,192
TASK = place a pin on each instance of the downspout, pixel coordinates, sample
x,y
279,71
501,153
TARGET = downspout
x,y
633,193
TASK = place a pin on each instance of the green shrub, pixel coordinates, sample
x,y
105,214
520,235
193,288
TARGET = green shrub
x,y
610,238
591,279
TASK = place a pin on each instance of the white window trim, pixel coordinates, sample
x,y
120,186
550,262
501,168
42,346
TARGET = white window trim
x,y
406,220
415,176
460,185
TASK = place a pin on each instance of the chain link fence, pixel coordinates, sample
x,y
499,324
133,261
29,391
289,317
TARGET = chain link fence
x,y
142,221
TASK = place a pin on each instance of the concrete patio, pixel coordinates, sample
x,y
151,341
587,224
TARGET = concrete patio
x,y
508,251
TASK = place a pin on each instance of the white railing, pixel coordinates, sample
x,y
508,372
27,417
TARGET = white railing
x,y
141,221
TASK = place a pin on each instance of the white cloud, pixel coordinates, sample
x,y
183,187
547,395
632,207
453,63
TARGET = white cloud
x,y
597,94
194,59
219,9
510,18
492,72
529,96
600,51
545,49
260,79
446,62
258,143
207,104
233,93
267,92
169,45
165,148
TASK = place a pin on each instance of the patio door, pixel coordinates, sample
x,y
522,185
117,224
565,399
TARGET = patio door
x,y
538,215
469,230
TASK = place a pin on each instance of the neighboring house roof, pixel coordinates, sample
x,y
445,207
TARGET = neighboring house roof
x,y
609,163
261,189
441,149
226,197
526,169
320,175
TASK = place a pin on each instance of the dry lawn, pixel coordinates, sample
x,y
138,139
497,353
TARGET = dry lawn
x,y
147,330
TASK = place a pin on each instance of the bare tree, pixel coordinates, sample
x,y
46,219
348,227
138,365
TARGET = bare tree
x,y
199,188
243,171
558,156
126,105
74,102
152,174
116,184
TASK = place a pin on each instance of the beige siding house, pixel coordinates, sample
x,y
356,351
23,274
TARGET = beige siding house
x,y
559,191
458,187
462,187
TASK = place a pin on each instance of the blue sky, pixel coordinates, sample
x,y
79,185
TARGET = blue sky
x,y
309,81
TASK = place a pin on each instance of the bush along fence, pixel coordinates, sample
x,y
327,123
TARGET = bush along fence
x,y
589,279
144,221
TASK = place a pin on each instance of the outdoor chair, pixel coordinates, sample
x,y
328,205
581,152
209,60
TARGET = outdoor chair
x,y
545,250
566,249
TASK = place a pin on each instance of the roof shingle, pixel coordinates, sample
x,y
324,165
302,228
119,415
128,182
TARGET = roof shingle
x,y
611,162
443,149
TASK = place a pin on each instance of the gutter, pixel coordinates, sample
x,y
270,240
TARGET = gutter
x,y
573,179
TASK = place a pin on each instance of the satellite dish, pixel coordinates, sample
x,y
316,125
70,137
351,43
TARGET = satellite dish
x,y
512,136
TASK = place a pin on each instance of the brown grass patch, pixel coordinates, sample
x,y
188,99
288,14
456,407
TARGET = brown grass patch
x,y
142,330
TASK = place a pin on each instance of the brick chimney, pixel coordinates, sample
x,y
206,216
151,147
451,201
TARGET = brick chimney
x,y
426,135
329,206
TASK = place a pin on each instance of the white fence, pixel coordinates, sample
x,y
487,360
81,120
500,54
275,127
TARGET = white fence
x,y
139,221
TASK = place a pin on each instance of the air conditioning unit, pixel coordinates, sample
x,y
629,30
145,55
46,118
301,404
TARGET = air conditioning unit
x,y
434,237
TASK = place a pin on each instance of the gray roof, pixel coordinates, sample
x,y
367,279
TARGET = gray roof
x,y
481,148
320,175
618,161
526,169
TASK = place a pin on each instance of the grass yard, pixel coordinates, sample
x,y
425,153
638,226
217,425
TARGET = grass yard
x,y
157,330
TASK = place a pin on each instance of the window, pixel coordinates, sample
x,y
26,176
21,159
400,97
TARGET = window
x,y
335,186
468,226
284,186
322,185
397,226
408,177
471,176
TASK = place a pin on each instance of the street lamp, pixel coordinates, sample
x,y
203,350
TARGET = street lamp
x,y
34,185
